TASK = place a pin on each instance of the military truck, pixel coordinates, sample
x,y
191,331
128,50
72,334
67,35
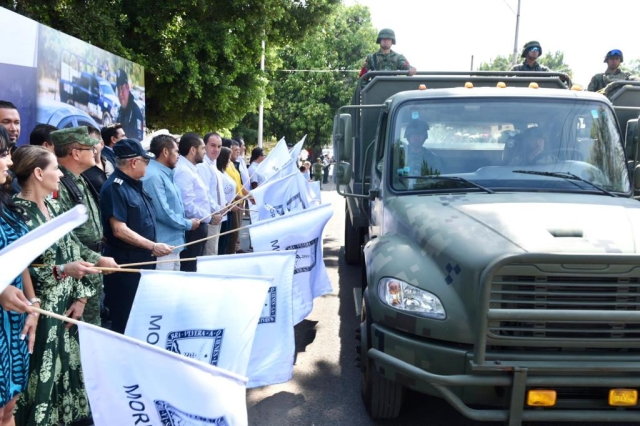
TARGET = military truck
x,y
493,218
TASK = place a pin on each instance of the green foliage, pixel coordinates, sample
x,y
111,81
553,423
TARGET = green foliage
x,y
500,63
201,57
632,66
316,77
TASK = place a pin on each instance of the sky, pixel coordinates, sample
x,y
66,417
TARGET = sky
x,y
443,35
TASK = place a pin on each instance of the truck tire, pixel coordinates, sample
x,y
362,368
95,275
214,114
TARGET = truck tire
x,y
352,241
106,119
382,398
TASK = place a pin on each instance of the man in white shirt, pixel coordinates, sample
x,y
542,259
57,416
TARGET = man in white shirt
x,y
198,204
212,178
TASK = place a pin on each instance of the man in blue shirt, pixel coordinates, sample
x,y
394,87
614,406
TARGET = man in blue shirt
x,y
129,222
165,197
197,201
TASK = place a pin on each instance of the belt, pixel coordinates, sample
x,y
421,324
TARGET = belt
x,y
97,246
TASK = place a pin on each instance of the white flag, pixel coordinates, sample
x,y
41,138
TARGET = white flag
x,y
131,382
273,345
314,191
277,159
17,256
211,318
295,151
300,231
279,197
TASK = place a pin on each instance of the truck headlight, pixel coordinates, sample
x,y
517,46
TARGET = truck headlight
x,y
405,297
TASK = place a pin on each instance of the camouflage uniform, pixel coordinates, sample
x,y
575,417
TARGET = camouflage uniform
x,y
89,233
391,61
526,67
600,81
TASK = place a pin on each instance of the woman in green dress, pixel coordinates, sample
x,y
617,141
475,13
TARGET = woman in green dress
x,y
55,393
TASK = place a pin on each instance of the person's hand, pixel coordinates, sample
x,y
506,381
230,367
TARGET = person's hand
x,y
13,299
412,70
107,262
217,218
29,330
252,200
161,249
79,269
194,224
75,311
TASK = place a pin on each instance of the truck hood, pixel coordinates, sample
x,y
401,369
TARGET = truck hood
x,y
511,223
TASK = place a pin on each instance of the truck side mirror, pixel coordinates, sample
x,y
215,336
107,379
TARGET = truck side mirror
x,y
343,173
343,137
636,178
631,140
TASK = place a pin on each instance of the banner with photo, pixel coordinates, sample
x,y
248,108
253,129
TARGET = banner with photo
x,y
300,231
274,344
210,318
131,382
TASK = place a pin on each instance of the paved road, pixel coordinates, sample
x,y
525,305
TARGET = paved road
x,y
325,389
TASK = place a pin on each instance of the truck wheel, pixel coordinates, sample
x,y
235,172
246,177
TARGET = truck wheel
x,y
382,398
106,119
352,241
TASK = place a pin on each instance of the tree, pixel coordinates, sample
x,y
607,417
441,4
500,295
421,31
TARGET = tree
x,y
200,56
555,62
633,66
317,76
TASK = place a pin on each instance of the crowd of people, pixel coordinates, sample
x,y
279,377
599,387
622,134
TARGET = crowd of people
x,y
160,209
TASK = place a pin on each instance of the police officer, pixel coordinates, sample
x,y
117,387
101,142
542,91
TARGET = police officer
x,y
530,52
613,59
130,116
385,58
129,222
74,149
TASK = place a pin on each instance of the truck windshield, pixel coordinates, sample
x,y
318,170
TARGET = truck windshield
x,y
106,88
489,142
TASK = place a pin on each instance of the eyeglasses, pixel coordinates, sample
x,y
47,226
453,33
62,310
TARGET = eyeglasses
x,y
535,49
86,149
146,160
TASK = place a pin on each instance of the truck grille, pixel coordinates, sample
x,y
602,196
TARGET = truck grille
x,y
562,291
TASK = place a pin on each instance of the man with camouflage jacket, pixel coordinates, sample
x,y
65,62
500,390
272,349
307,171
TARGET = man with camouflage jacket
x,y
531,52
74,149
613,59
386,59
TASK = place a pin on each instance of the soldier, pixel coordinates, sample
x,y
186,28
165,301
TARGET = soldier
x,y
531,52
613,59
386,59
420,161
74,149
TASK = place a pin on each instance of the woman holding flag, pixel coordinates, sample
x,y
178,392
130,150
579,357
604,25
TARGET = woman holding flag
x,y
14,349
55,392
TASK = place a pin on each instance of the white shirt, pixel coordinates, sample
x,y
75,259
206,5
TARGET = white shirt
x,y
255,177
212,178
229,187
198,204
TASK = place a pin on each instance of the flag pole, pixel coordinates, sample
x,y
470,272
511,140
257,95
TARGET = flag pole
x,y
54,315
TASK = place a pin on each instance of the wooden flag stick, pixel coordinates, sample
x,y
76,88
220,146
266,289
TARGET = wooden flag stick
x,y
54,315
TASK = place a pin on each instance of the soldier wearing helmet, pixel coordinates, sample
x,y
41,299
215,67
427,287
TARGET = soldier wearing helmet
x,y
419,161
386,59
530,52
613,59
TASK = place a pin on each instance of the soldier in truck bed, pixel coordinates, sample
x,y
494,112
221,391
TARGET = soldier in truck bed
x,y
386,59
613,59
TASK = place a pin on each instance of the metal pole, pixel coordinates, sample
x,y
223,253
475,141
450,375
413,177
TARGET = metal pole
x,y
261,110
515,43
471,63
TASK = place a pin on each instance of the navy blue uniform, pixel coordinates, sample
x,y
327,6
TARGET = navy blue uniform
x,y
131,120
124,199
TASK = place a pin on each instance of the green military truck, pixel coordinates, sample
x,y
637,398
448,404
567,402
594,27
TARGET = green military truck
x,y
494,221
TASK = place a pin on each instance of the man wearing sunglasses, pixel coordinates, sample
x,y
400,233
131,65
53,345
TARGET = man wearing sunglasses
x,y
613,59
531,52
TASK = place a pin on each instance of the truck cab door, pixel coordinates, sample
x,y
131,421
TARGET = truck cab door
x,y
375,159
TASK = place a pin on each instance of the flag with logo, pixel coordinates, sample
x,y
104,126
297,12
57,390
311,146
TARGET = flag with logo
x,y
210,318
314,191
295,151
300,231
279,196
131,382
273,345
17,256
277,159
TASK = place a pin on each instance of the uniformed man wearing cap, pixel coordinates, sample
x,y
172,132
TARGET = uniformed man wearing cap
x,y
530,52
75,151
130,116
613,59
129,222
386,59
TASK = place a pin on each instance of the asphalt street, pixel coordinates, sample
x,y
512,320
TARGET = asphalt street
x,y
325,389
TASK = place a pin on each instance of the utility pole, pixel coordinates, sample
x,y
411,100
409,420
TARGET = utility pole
x,y
515,43
261,110
471,62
